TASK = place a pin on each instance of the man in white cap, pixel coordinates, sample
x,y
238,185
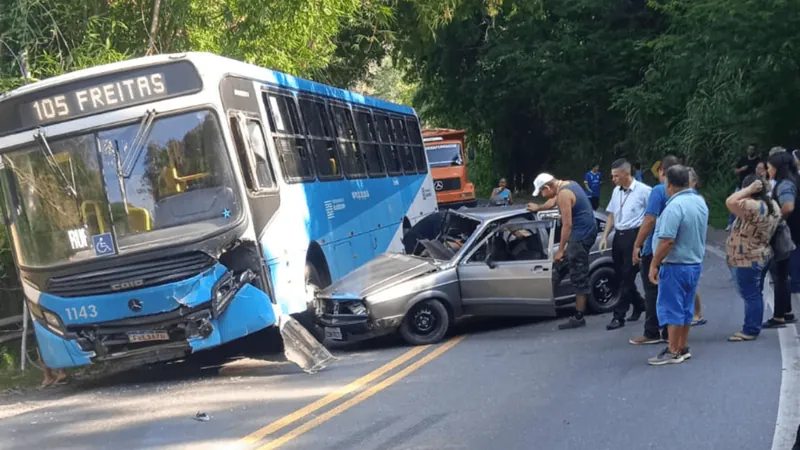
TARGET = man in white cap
x,y
578,233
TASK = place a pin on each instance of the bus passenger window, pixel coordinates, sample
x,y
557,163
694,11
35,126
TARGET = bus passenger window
x,y
241,150
390,153
368,140
263,169
352,158
289,140
401,141
321,139
415,137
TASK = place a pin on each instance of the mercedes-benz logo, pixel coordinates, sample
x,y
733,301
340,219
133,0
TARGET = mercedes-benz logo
x,y
135,305
438,185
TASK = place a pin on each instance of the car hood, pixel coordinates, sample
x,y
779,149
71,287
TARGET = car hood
x,y
385,271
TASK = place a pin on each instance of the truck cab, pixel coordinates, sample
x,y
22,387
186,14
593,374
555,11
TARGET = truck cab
x,y
447,157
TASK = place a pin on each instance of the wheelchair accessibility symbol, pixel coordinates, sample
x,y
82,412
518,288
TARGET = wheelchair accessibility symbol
x,y
103,244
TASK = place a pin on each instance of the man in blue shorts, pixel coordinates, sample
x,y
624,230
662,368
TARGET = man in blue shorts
x,y
643,255
679,246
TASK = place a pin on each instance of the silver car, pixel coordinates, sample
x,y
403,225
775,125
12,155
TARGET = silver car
x,y
469,262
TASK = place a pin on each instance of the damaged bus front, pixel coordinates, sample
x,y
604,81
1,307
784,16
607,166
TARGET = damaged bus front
x,y
127,215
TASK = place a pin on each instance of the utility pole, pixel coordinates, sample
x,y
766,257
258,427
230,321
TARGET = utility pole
x,y
23,67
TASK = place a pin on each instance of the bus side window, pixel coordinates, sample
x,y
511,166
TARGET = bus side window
x,y
352,158
389,151
284,121
253,153
241,150
368,140
321,139
415,137
401,141
264,173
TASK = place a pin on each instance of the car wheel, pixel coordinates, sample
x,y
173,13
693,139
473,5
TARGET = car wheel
x,y
308,317
604,290
426,323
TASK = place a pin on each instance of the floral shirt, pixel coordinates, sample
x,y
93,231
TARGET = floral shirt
x,y
748,242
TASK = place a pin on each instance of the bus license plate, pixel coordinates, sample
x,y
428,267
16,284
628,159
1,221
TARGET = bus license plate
x,y
146,336
333,333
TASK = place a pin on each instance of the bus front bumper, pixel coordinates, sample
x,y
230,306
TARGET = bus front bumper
x,y
158,337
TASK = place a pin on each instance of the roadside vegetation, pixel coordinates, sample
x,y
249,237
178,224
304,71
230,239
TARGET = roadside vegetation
x,y
539,85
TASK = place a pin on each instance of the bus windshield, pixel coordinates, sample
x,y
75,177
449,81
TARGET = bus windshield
x,y
180,176
444,155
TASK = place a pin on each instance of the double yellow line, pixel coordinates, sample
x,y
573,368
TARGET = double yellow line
x,y
357,385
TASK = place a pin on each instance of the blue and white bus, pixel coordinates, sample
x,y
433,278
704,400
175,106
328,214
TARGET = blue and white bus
x,y
169,204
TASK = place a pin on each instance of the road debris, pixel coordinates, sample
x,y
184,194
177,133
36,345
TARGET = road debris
x,y
301,348
202,417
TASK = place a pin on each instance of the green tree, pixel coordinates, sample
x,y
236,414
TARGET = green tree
x,y
534,80
723,74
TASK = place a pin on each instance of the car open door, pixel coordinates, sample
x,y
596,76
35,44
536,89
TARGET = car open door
x,y
506,281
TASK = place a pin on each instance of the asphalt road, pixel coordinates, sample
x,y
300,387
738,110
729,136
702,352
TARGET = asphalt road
x,y
497,384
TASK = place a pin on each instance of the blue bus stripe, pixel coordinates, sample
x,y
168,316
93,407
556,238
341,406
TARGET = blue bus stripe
x,y
300,84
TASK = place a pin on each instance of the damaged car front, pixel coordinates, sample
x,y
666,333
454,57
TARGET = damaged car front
x,y
412,293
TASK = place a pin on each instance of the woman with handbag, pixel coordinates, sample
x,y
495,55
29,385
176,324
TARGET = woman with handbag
x,y
749,251
781,169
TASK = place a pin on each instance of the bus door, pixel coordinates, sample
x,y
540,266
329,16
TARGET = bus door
x,y
241,105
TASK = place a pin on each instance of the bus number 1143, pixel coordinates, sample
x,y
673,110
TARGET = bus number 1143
x,y
84,312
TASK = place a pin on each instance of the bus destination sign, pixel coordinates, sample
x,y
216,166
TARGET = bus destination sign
x,y
98,94
97,98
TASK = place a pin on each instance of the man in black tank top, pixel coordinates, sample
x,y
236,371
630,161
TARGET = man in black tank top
x,y
578,233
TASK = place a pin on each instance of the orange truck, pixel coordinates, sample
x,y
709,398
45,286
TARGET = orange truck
x,y
447,157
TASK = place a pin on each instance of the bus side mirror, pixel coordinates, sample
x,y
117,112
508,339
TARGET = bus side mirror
x,y
471,152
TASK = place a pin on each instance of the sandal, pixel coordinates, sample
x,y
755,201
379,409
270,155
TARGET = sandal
x,y
698,322
741,337
772,323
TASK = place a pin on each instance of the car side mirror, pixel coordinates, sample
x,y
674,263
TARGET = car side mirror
x,y
490,262
471,152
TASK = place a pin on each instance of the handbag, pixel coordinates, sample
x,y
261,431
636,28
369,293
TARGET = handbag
x,y
781,242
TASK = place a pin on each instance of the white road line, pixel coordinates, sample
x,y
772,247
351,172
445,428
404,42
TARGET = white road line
x,y
716,252
789,405
789,402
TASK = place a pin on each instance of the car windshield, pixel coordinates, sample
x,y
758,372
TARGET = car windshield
x,y
109,197
454,233
444,155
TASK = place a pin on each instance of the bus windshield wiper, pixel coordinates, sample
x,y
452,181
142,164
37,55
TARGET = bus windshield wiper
x,y
44,146
120,175
138,143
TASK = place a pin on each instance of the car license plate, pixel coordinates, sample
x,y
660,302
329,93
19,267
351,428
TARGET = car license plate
x,y
333,333
145,336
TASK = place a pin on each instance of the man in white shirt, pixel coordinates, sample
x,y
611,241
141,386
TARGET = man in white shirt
x,y
625,214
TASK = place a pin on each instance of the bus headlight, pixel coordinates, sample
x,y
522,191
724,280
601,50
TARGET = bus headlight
x,y
52,319
47,318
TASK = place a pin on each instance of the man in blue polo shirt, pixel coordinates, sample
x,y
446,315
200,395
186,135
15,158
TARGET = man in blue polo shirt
x,y
643,255
679,249
591,184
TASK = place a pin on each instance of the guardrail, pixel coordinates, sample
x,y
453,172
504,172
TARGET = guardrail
x,y
14,334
